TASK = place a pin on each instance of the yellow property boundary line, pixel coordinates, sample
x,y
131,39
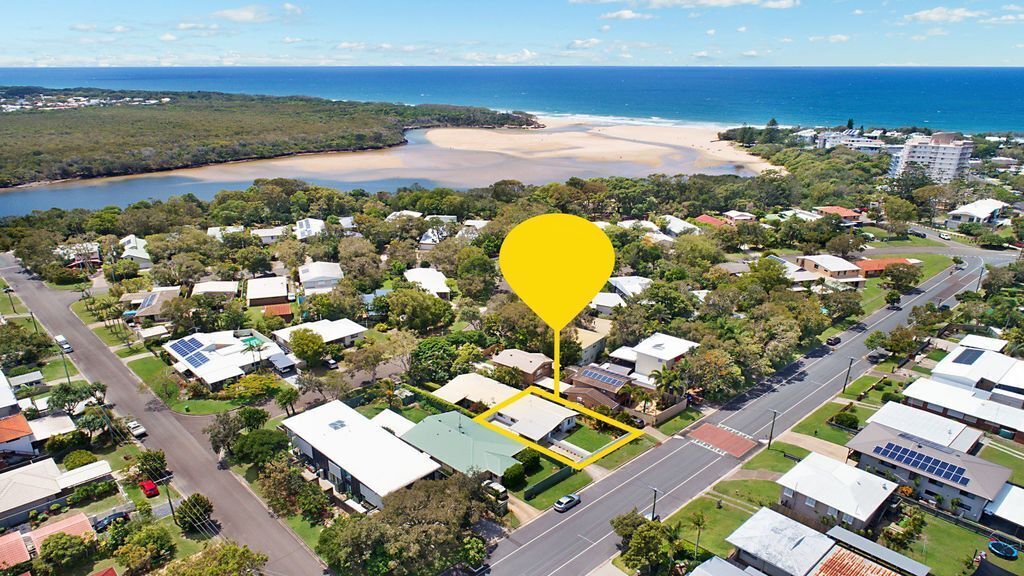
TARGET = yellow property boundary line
x,y
631,433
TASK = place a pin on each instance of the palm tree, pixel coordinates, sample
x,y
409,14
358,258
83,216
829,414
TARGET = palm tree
x,y
699,521
389,390
643,396
255,347
286,399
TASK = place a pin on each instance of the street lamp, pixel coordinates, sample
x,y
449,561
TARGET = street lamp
x,y
771,431
654,506
848,369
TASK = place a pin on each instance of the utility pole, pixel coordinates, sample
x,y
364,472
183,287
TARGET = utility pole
x,y
771,431
981,274
64,360
848,369
10,298
35,325
654,506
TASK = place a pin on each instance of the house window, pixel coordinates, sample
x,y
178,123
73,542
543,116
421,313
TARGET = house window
x,y
832,512
954,414
810,502
787,492
847,519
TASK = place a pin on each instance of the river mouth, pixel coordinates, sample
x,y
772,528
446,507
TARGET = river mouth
x,y
455,158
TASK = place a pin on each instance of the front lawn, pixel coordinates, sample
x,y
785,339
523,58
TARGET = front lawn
x,y
756,492
135,494
1003,458
816,424
5,305
157,376
109,336
627,452
131,350
859,386
307,531
83,313
573,483
720,523
589,439
774,460
119,457
679,421
54,369
884,239
937,354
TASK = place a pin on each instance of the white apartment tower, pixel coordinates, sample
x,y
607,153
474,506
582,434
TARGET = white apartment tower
x,y
943,157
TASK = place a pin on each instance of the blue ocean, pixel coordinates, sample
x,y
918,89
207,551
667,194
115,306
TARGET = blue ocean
x,y
964,99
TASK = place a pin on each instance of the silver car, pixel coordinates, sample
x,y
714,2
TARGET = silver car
x,y
566,502
137,430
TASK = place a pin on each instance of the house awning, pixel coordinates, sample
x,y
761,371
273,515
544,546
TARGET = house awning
x,y
281,361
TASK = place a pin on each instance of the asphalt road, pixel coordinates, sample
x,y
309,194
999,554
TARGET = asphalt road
x,y
576,542
240,514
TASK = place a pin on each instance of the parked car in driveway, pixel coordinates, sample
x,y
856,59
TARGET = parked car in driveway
x,y
137,430
833,341
149,488
566,502
104,523
331,363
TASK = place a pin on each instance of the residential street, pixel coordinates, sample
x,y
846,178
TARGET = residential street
x,y
240,513
581,540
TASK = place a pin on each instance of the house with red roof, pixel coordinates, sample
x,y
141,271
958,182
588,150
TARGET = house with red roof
x,y
75,525
16,435
13,550
876,267
843,212
710,221
108,572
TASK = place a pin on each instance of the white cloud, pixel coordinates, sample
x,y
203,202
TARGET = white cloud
x,y
606,27
351,46
741,29
626,15
583,43
83,27
775,4
1020,46
833,38
701,54
523,55
291,9
1013,7
753,53
943,14
780,4
291,40
710,32
168,37
250,14
857,12
1004,19
197,26
786,40
119,29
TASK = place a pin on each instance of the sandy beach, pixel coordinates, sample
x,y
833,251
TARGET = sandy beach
x,y
580,139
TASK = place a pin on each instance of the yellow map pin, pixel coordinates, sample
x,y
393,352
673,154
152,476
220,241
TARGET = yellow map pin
x,y
557,263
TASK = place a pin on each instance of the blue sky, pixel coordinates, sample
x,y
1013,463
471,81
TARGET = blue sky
x,y
523,32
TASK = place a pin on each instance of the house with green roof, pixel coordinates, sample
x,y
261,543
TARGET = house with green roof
x,y
459,443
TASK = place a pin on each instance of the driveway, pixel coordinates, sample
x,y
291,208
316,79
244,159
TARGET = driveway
x,y
241,515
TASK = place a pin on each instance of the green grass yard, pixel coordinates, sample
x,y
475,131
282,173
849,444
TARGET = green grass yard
x,y
573,483
156,375
627,452
109,336
54,369
412,413
773,458
132,350
815,424
945,546
589,439
119,457
756,492
720,523
886,240
5,304
858,386
679,421
83,314
1001,457
308,532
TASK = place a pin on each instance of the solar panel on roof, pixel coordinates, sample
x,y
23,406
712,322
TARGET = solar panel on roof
x,y
196,360
968,356
928,464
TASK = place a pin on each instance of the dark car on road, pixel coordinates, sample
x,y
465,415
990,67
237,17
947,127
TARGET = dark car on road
x,y
566,502
917,233
104,523
833,341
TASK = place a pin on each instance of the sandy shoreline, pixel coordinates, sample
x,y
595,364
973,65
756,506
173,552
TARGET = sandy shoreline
x,y
581,139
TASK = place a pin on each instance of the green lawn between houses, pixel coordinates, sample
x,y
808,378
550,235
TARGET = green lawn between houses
x,y
546,498
627,452
773,458
945,546
679,421
816,425
155,374
83,313
589,439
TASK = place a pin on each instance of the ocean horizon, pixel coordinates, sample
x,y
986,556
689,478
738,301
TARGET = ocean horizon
x,y
967,99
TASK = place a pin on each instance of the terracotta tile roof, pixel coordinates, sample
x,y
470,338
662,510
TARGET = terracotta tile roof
x,y
14,427
879,263
108,572
840,211
277,310
77,525
13,550
709,220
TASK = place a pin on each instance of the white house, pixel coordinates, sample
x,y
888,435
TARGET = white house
x,y
39,485
677,226
403,214
135,250
973,407
218,232
735,216
928,425
356,455
976,368
471,228
270,235
226,288
656,352
629,285
986,211
431,280
819,487
269,290
215,357
308,227
606,302
344,331
320,277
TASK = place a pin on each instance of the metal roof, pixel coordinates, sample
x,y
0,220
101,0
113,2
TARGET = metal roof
x,y
878,552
